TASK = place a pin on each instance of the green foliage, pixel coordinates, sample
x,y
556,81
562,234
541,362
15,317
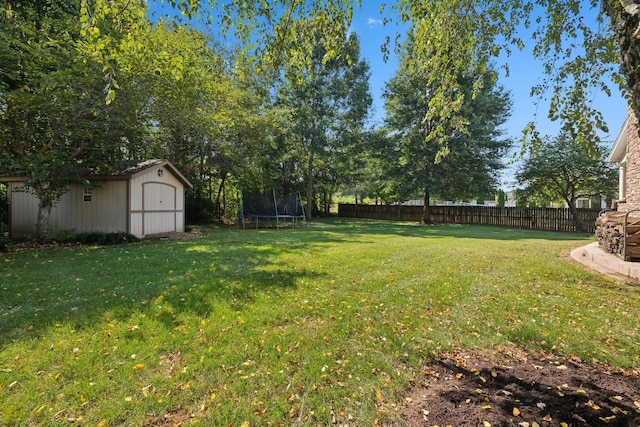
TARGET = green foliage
x,y
103,239
414,162
169,95
308,326
570,38
54,124
565,169
327,105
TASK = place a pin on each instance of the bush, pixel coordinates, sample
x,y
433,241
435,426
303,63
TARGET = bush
x,y
102,238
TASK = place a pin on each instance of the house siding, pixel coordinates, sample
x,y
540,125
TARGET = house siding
x,y
632,168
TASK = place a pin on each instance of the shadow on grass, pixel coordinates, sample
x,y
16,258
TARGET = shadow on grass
x,y
82,285
229,267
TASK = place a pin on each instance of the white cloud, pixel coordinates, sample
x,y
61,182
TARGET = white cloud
x,y
373,23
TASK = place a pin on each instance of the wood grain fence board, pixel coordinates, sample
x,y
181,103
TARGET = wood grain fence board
x,y
548,219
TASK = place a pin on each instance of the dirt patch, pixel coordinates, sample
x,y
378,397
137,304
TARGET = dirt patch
x,y
467,389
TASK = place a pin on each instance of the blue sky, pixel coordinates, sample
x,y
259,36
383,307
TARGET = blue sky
x,y
524,73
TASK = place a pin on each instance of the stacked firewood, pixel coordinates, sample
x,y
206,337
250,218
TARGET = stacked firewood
x,y
610,234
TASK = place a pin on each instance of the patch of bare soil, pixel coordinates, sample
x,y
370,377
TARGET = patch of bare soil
x,y
466,389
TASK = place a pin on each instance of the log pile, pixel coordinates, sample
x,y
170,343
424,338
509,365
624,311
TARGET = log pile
x,y
610,234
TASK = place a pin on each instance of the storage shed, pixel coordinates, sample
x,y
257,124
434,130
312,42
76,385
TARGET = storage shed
x,y
140,197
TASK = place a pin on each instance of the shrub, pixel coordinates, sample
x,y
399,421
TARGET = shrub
x,y
102,238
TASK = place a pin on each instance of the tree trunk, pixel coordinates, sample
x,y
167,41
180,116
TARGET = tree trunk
x,y
219,197
44,212
576,218
426,208
310,187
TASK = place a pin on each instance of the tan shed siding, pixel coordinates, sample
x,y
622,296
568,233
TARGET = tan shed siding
x,y
180,221
135,222
159,222
106,212
632,194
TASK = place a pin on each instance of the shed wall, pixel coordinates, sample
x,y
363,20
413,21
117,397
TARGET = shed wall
x,y
106,212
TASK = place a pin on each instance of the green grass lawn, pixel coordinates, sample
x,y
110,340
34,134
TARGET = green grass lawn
x,y
287,327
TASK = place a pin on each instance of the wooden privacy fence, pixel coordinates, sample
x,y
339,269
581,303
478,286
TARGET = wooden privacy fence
x,y
551,219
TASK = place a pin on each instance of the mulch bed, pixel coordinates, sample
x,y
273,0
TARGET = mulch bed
x,y
467,389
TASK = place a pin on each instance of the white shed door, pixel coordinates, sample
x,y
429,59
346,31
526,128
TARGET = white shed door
x,y
159,207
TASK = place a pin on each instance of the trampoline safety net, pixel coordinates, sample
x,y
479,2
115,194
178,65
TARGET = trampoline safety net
x,y
258,206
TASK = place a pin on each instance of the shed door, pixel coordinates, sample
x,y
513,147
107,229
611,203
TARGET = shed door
x,y
158,207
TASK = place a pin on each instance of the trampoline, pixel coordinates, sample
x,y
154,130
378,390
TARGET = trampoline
x,y
271,207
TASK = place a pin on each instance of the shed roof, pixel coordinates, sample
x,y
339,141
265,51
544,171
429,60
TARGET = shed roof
x,y
132,168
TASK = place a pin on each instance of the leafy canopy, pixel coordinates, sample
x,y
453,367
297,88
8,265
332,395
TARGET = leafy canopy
x,y
570,37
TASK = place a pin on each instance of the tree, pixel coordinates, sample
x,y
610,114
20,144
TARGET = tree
x,y
474,154
578,49
56,129
564,168
328,104
54,124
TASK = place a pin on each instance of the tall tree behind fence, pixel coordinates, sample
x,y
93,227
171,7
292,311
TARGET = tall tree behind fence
x,y
551,219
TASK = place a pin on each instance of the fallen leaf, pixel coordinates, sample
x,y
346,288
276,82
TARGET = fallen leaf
x,y
516,412
607,419
578,417
535,424
541,405
486,424
593,405
485,407
617,410
459,375
563,424
547,418
139,366
524,424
